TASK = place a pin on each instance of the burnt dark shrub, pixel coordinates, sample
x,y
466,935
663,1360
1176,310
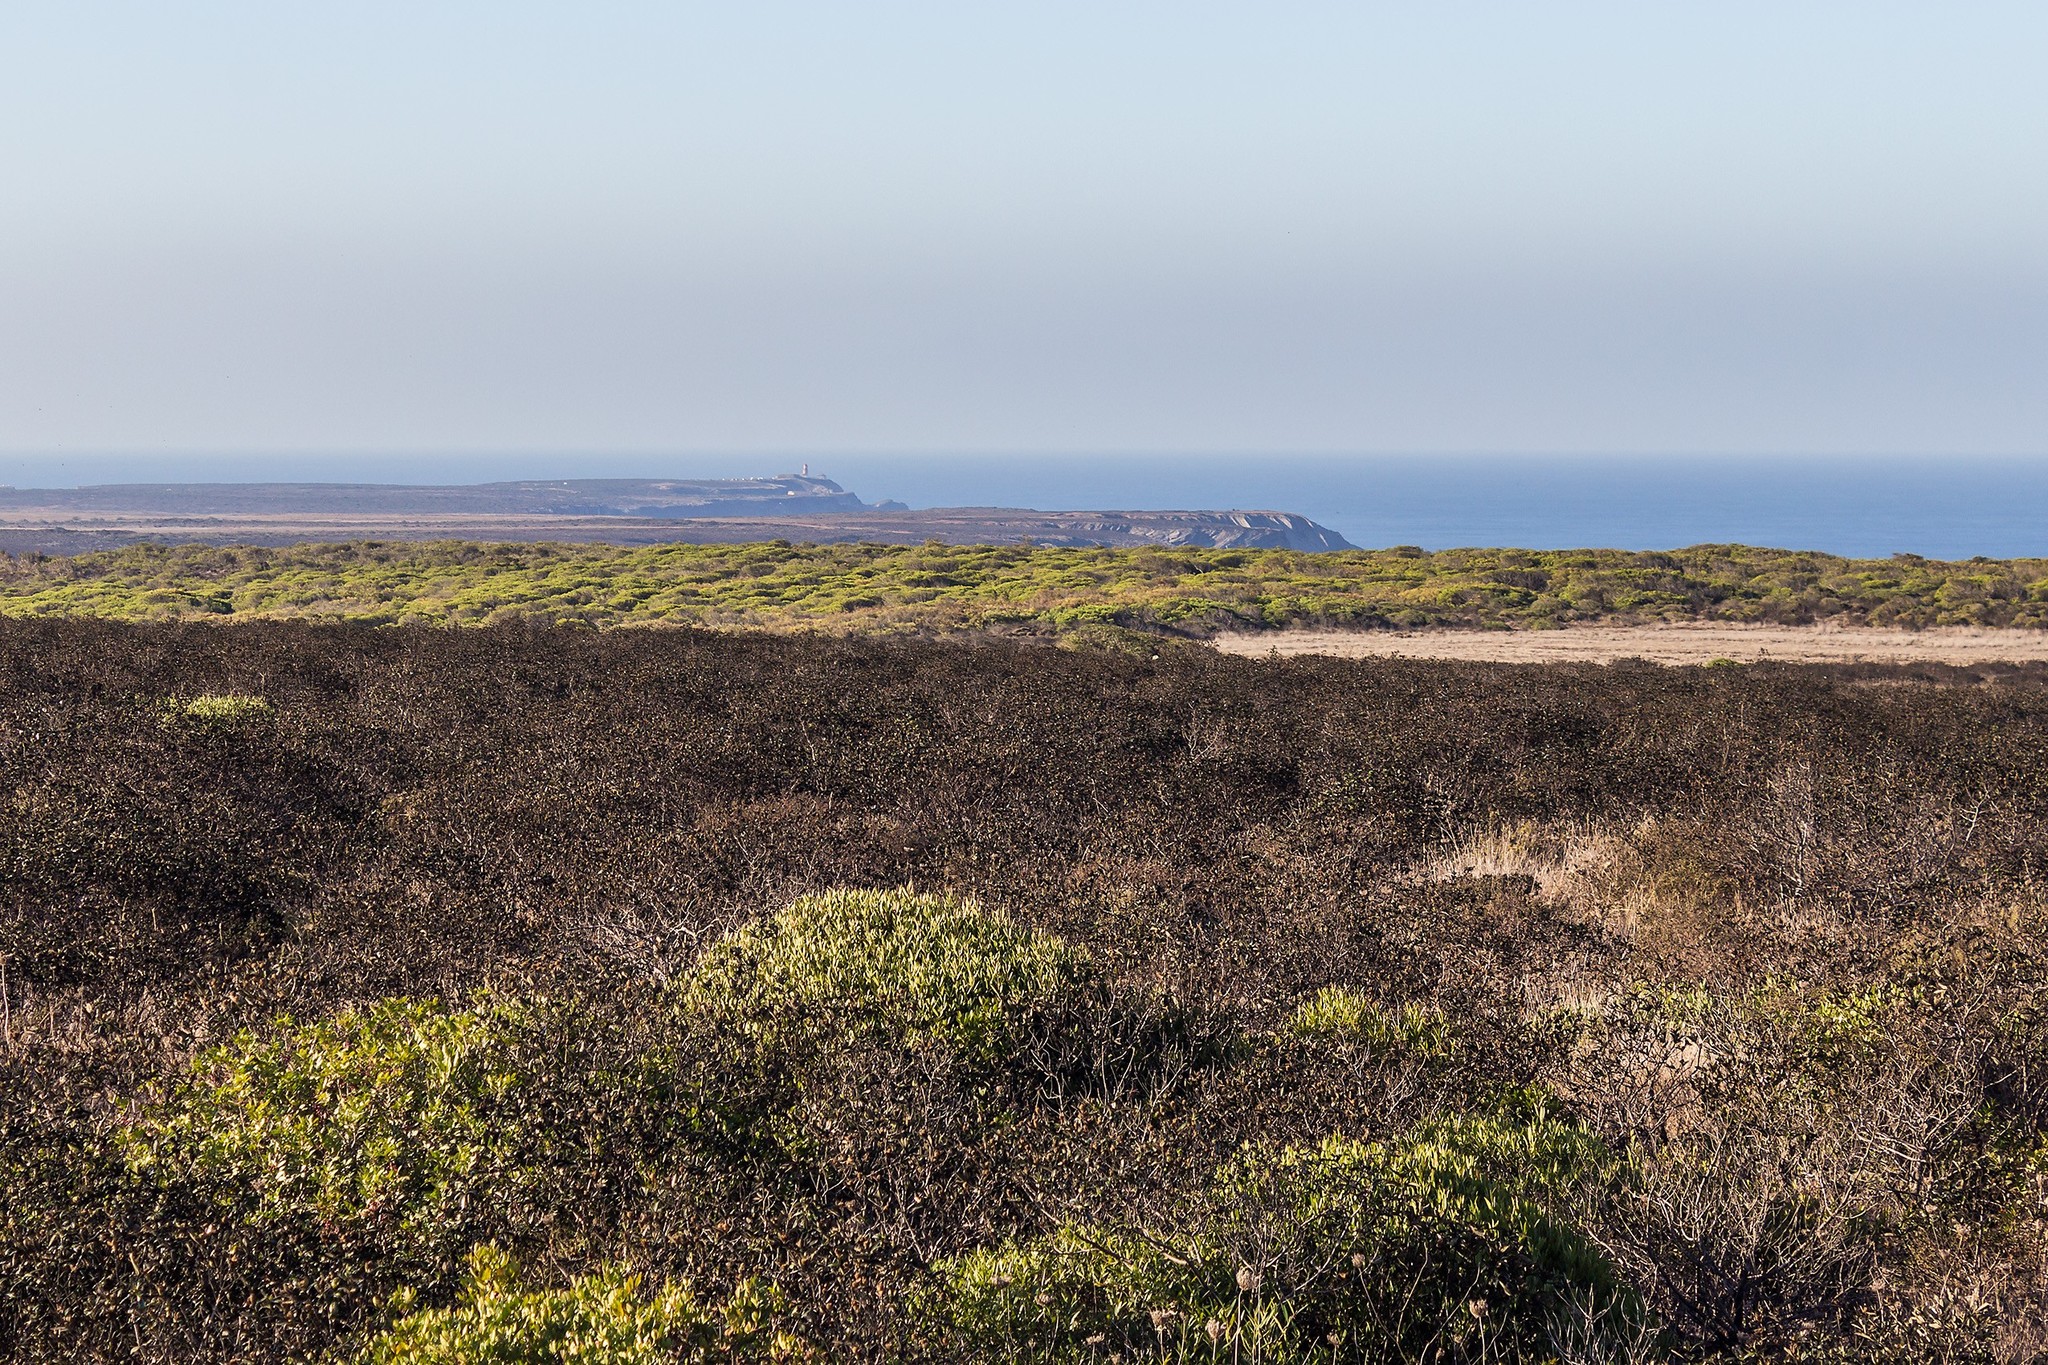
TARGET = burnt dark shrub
x,y
840,965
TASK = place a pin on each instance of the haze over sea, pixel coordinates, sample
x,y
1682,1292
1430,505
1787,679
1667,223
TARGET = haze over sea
x,y
1944,508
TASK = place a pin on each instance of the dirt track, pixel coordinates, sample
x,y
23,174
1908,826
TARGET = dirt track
x,y
1665,644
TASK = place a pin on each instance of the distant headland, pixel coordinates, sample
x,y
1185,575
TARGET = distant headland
x,y
797,507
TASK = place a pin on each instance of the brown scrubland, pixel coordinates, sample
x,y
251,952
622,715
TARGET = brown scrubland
x,y
424,994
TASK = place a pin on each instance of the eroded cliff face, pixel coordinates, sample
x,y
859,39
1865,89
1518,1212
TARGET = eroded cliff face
x,y
623,511
1219,530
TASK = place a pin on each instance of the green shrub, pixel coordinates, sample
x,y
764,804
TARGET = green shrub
x,y
379,1112
216,709
861,965
891,1040
604,1318
1349,1016
842,587
296,1176
1440,1243
1111,638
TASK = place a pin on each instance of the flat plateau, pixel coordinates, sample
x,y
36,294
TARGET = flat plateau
x,y
1667,643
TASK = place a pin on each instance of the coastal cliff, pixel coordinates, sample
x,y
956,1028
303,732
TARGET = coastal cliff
x,y
797,507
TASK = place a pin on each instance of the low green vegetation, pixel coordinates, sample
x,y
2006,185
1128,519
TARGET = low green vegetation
x,y
1351,1016
380,1111
605,1318
215,710
1439,1245
894,966
933,586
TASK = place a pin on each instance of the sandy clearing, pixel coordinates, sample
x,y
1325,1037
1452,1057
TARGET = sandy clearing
x,y
1665,644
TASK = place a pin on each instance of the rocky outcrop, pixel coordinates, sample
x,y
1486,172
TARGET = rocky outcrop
x,y
1218,530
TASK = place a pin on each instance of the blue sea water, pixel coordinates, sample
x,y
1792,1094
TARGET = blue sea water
x,y
1948,507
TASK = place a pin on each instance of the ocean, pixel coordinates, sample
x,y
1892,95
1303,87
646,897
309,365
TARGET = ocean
x,y
1947,508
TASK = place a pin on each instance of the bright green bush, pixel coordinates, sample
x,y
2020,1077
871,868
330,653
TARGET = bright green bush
x,y
378,1111
1345,1015
375,1148
601,1319
222,709
851,965
1443,1242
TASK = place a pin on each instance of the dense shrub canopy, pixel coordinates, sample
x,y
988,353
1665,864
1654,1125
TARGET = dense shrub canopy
x,y
865,587
1434,1245
838,966
602,1319
378,1110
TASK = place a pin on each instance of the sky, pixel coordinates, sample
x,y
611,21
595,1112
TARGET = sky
x,y
310,238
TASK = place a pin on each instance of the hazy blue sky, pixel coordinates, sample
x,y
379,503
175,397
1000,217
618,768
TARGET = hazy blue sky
x,y
760,226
